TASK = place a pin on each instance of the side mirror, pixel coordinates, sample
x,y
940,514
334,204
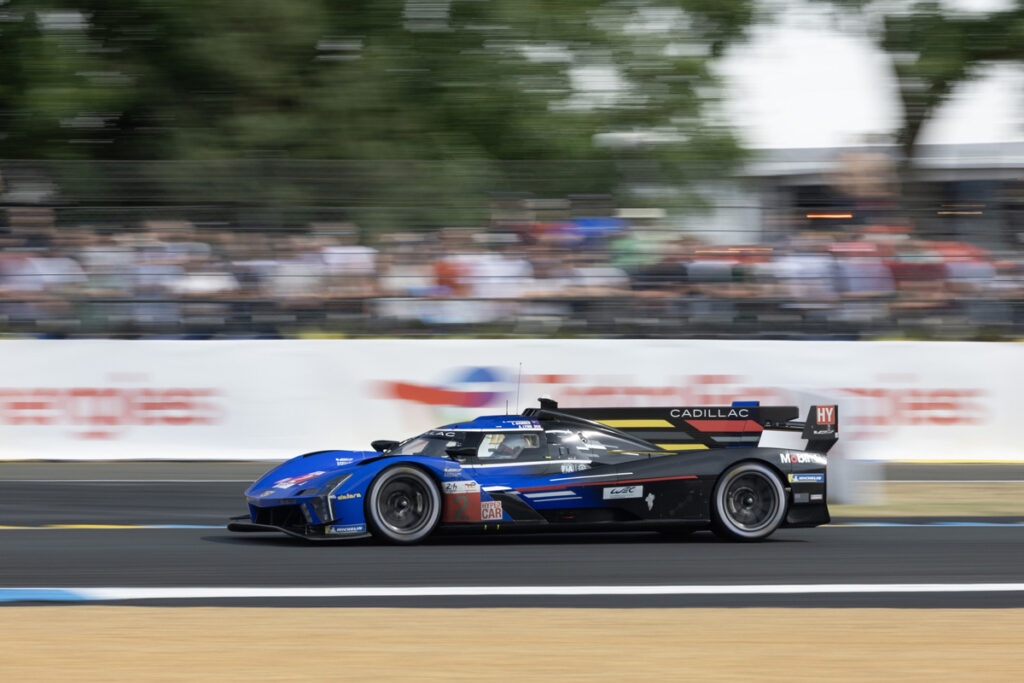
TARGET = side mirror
x,y
383,445
461,451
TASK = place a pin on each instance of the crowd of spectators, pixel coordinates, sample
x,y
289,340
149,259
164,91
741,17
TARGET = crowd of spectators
x,y
623,273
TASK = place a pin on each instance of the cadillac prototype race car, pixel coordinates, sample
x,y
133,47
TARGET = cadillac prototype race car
x,y
672,469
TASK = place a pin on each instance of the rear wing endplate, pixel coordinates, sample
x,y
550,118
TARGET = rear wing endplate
x,y
821,429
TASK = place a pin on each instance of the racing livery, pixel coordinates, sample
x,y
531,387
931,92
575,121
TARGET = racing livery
x,y
673,469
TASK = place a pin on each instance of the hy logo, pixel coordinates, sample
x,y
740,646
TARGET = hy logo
x,y
460,388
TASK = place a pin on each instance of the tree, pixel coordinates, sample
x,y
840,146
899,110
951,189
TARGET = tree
x,y
429,97
933,50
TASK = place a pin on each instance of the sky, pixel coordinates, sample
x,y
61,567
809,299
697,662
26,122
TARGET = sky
x,y
803,82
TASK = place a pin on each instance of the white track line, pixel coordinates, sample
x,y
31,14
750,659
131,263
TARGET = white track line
x,y
202,593
945,481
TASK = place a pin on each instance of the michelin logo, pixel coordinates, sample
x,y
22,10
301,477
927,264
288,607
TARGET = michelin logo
x,y
343,529
807,478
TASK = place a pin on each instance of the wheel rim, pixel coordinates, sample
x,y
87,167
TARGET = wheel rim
x,y
751,501
404,505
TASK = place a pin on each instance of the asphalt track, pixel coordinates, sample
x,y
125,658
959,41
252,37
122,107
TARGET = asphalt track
x,y
202,554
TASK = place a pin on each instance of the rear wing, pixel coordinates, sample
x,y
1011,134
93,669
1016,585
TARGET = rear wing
x,y
704,427
821,429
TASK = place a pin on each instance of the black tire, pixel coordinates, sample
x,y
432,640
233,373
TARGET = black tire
x,y
403,505
749,503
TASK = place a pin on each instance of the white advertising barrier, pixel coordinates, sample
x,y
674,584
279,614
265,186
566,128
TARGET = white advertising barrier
x,y
232,400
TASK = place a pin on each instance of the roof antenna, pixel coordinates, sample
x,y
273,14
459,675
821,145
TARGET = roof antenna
x,y
519,378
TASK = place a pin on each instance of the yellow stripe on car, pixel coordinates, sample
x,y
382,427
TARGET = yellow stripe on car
x,y
636,424
6,527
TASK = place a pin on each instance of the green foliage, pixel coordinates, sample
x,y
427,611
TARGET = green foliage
x,y
463,84
934,49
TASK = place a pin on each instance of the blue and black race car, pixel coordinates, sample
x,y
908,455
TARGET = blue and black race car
x,y
673,469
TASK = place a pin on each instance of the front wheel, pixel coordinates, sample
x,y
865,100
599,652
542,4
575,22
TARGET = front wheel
x,y
749,503
403,505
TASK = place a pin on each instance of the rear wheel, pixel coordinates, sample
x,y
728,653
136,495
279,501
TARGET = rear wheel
x,y
403,505
749,503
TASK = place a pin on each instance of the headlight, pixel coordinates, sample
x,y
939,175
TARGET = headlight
x,y
322,504
337,481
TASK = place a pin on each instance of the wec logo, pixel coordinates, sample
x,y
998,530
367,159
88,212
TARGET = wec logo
x,y
616,492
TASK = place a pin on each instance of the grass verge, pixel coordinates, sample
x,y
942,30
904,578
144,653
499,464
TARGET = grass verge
x,y
939,499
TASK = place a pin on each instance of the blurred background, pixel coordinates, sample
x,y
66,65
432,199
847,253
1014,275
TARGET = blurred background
x,y
490,201
850,169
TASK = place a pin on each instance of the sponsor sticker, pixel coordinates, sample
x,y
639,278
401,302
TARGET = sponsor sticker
x,y
802,459
341,462
294,481
826,415
463,506
347,496
710,413
490,510
342,529
807,478
817,496
451,487
616,492
574,467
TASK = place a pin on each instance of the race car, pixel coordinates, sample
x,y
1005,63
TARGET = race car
x,y
672,469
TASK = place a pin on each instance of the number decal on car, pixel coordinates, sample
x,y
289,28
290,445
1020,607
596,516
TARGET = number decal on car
x,y
461,505
461,501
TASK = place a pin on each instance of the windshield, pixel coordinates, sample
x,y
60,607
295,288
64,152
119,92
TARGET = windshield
x,y
431,444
